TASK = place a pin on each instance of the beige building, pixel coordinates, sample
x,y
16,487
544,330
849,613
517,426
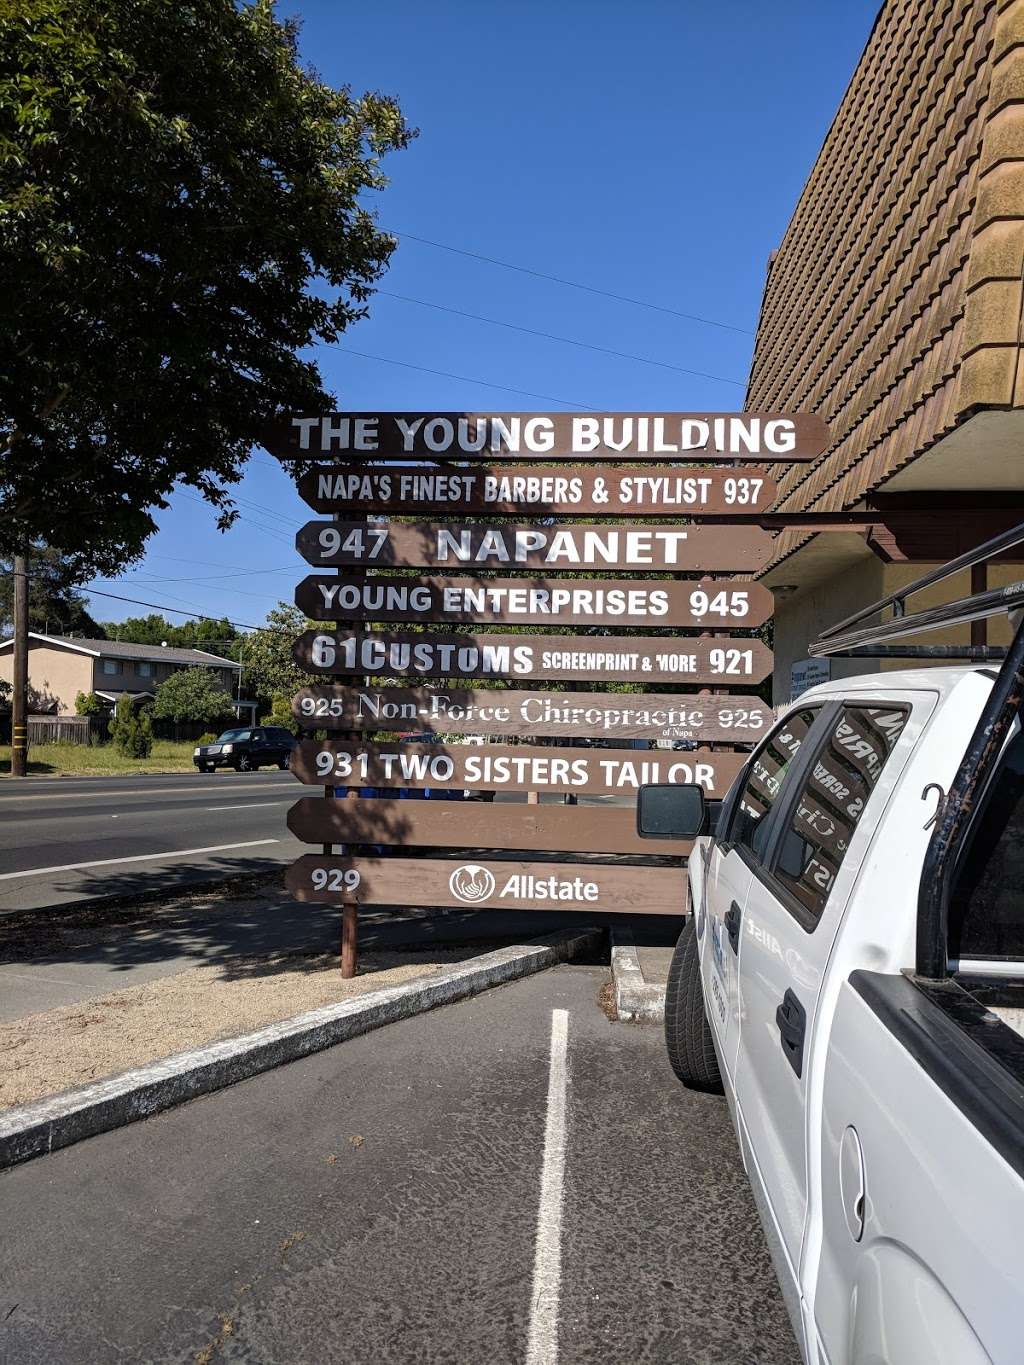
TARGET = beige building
x,y
893,307
59,667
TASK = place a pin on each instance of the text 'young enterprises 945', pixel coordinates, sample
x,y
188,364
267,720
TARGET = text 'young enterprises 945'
x,y
624,658
538,602
596,715
564,491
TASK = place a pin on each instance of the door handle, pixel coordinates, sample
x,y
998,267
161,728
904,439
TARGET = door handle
x,y
732,919
791,1018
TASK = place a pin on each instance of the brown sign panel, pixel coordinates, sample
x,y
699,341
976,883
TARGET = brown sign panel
x,y
592,715
453,824
509,767
771,437
491,885
716,604
509,490
602,658
686,549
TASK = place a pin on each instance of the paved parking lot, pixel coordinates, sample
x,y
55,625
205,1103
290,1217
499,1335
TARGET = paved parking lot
x,y
512,1178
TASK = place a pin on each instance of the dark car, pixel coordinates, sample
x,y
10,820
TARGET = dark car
x,y
246,750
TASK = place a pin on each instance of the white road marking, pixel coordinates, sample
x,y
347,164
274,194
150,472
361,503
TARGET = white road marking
x,y
542,1348
135,858
68,795
252,805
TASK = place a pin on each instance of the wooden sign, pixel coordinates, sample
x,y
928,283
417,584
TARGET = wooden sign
x,y
686,549
508,767
602,658
491,884
450,490
718,604
480,825
771,437
593,715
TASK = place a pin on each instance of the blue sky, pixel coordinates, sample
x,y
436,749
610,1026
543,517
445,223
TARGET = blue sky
x,y
652,149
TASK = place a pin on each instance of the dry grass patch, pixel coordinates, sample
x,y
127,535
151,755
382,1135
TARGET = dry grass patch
x,y
75,1045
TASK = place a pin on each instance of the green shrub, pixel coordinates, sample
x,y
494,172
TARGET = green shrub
x,y
281,714
207,737
131,729
88,704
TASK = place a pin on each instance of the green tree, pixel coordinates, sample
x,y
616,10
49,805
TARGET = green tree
x,y
192,694
88,704
54,601
130,729
215,636
182,213
268,669
280,713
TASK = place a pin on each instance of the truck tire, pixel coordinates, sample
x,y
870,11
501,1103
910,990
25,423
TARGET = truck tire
x,y
691,1050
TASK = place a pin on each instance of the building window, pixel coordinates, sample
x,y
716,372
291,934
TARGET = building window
x,y
111,666
144,670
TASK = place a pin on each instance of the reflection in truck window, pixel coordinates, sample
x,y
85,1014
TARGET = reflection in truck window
x,y
986,915
765,778
835,791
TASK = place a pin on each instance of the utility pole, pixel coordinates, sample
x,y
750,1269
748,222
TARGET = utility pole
x,y
19,707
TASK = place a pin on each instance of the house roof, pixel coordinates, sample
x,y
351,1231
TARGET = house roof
x,y
121,649
116,696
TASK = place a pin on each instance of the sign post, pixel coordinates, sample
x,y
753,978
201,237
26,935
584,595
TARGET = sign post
x,y
628,591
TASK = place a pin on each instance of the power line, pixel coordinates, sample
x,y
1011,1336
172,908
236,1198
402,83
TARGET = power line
x,y
209,578
270,530
567,341
177,611
573,284
464,379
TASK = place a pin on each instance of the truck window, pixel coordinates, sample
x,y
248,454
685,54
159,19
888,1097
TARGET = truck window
x,y
828,808
986,912
765,778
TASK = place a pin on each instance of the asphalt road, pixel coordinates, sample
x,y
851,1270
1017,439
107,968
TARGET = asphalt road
x,y
438,1191
138,833
141,833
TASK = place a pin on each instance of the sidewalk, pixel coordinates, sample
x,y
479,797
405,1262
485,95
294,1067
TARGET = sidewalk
x,y
53,960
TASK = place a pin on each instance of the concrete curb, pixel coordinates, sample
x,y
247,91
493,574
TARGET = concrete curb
x,y
46,1125
636,998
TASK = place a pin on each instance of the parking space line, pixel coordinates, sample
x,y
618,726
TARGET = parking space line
x,y
135,858
542,1347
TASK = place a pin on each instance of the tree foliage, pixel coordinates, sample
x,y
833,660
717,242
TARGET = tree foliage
x,y
192,694
88,704
54,602
268,669
280,714
215,636
130,728
181,212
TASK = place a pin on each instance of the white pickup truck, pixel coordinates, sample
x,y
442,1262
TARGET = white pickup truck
x,y
852,976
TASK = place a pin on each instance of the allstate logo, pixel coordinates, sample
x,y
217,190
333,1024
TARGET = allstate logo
x,y
471,884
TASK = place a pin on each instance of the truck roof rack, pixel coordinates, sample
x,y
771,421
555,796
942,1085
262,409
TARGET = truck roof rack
x,y
844,641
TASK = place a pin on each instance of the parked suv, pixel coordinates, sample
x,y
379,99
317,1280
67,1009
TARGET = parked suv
x,y
246,750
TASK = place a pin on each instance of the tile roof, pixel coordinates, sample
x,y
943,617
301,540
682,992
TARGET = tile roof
x,y
118,649
893,306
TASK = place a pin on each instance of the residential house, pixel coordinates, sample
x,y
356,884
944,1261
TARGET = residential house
x,y
61,666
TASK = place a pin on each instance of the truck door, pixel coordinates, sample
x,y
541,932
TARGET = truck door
x,y
790,922
736,850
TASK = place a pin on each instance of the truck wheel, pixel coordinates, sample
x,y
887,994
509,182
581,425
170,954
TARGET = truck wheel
x,y
691,1050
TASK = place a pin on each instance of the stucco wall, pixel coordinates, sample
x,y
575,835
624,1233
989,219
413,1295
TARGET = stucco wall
x,y
53,674
801,618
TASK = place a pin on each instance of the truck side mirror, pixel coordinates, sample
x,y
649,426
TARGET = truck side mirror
x,y
670,810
